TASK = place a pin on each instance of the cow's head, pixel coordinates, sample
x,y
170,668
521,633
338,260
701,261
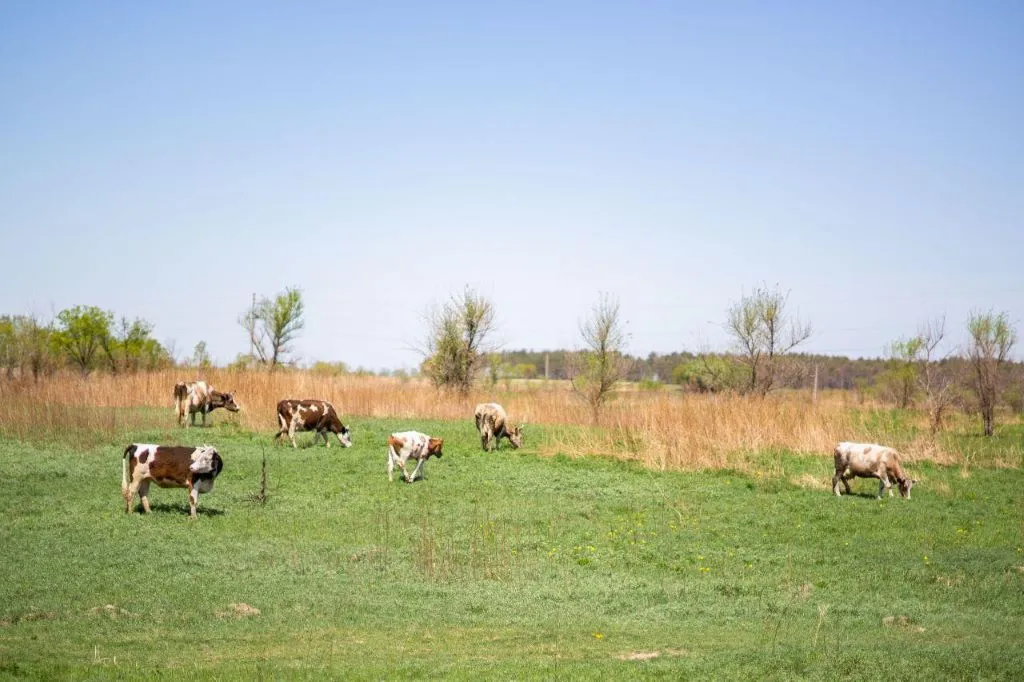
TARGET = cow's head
x,y
434,446
229,402
344,436
515,436
905,485
204,460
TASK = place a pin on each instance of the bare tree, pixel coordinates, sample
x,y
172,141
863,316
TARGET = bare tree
x,y
457,340
764,332
992,338
934,377
597,369
273,324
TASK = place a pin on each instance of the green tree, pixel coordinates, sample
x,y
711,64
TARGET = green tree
x,y
901,375
602,364
456,346
992,338
273,324
201,357
329,369
10,354
82,332
709,374
764,332
130,347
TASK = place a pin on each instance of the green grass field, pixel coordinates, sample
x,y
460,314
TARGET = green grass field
x,y
503,565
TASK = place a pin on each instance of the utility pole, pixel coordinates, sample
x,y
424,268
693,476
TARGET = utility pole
x,y
547,367
814,396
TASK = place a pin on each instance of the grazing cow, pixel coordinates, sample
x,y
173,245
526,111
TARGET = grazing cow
x,y
197,396
169,466
411,445
311,415
868,460
492,423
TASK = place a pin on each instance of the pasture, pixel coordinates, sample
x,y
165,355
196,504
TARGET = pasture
x,y
505,565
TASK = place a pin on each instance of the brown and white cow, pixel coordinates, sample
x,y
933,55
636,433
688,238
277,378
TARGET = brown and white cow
x,y
198,396
869,460
169,466
406,445
311,415
492,423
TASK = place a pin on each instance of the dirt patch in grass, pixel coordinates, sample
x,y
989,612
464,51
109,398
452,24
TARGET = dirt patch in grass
x,y
27,617
111,611
810,481
901,622
242,610
648,655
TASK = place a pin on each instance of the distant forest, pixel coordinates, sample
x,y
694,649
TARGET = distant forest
x,y
881,375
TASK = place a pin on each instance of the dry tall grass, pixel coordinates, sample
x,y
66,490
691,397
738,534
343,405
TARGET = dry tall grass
x,y
664,430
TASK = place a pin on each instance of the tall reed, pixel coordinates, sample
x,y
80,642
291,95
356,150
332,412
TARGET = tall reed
x,y
662,429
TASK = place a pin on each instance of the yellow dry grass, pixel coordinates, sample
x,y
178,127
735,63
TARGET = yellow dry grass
x,y
661,429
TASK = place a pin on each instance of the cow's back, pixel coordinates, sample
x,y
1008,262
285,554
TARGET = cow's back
x,y
491,413
863,458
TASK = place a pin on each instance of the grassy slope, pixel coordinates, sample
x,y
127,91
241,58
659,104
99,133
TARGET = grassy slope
x,y
503,565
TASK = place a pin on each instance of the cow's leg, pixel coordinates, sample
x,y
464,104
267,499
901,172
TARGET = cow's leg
x,y
846,477
835,483
391,465
401,465
883,483
291,433
205,412
129,495
886,485
193,499
144,495
327,441
416,471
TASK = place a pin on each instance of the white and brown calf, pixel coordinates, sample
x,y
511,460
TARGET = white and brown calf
x,y
199,396
407,445
869,460
169,466
311,415
492,423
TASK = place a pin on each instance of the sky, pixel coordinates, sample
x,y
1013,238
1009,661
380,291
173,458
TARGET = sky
x,y
168,160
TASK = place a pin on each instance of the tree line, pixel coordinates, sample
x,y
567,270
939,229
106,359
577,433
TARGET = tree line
x,y
458,353
83,338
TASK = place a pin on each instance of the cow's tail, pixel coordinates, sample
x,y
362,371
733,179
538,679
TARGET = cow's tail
x,y
128,452
180,393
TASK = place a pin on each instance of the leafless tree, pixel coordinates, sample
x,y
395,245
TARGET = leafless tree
x,y
457,341
764,332
934,377
992,338
596,370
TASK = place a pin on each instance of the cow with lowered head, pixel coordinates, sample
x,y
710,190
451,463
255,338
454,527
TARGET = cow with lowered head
x,y
406,445
199,396
492,423
169,466
868,460
311,415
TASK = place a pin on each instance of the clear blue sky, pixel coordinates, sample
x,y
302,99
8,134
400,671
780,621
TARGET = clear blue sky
x,y
166,160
